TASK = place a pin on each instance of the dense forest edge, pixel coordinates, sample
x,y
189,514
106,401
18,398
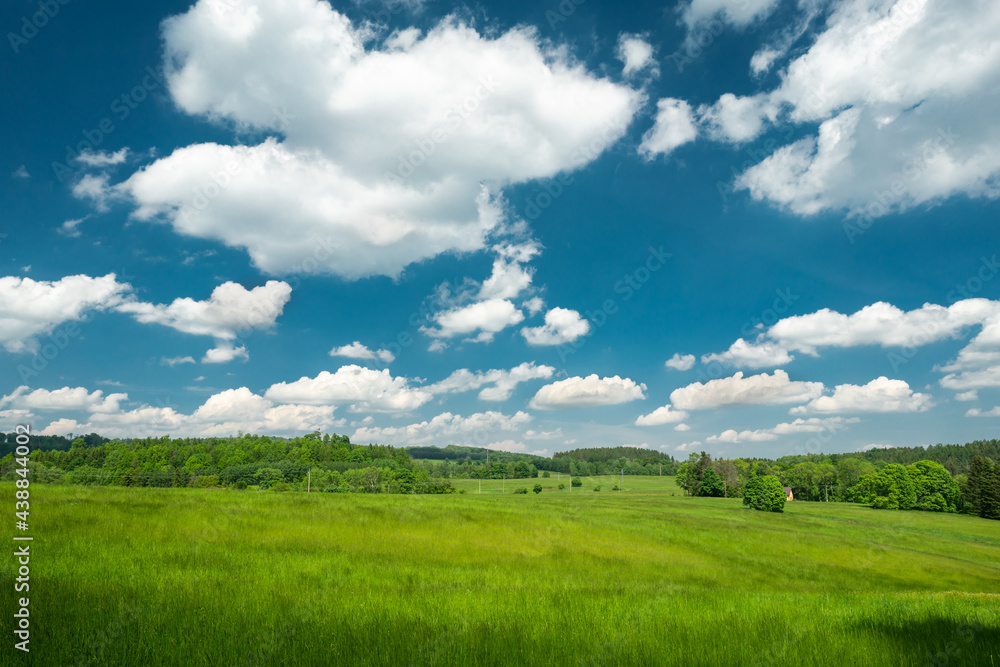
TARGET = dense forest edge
x,y
944,478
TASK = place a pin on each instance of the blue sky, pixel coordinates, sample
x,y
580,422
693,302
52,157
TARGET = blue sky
x,y
754,228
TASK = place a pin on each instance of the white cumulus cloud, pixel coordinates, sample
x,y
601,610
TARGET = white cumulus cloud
x,y
388,155
358,351
761,389
30,308
562,325
879,395
362,388
585,392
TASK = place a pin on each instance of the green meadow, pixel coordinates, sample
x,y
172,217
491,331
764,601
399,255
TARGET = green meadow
x,y
145,576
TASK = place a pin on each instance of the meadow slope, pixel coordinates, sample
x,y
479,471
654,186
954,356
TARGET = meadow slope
x,y
212,577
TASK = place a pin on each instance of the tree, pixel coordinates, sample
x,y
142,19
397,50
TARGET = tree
x,y
712,485
730,475
936,490
978,476
764,493
894,489
537,488
850,470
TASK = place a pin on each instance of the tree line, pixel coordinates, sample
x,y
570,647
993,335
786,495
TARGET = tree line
x,y
922,485
319,462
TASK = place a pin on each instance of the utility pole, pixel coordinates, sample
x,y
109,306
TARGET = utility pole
x,y
503,485
480,485
622,482
309,480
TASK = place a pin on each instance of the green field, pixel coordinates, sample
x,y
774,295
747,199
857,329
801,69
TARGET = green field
x,y
211,577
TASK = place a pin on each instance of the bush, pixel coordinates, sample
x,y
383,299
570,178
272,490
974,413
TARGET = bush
x,y
562,486
521,490
597,488
538,488
765,494
546,474
281,486
577,481
615,488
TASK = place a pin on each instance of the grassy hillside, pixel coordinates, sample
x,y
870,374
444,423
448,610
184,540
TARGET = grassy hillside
x,y
203,577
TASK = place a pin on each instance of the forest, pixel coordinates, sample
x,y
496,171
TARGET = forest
x,y
946,478
922,485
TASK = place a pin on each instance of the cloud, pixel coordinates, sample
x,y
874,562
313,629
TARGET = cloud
x,y
811,425
95,188
586,392
30,308
562,325
67,398
971,395
510,277
760,389
388,155
358,351
502,383
69,228
446,429
224,353
636,53
976,412
732,436
664,415
223,414
682,427
742,354
174,361
888,84
533,305
680,362
881,324
486,317
674,126
738,14
231,311
879,395
735,119
102,158
361,388
20,172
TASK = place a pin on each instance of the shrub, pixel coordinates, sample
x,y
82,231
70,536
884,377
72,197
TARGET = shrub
x,y
765,494
538,488
562,486
521,490
597,488
614,488
577,481
546,474
281,486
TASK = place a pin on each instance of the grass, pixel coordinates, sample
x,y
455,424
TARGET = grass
x,y
164,577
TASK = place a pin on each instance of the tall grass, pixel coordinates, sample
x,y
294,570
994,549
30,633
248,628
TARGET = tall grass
x,y
165,577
